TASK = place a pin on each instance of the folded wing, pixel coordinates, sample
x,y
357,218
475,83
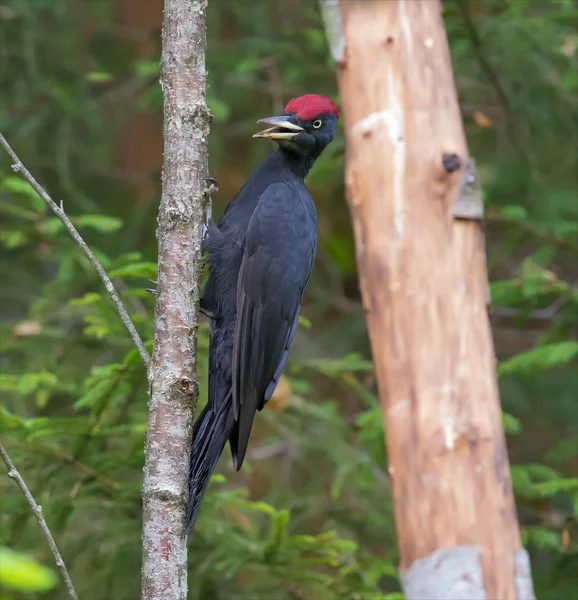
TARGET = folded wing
x,y
278,258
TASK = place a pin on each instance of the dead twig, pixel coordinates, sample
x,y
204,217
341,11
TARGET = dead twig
x,y
37,510
59,212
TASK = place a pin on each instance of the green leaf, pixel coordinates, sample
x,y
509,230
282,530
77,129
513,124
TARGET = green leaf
x,y
551,488
353,362
542,537
95,394
279,534
87,299
521,481
341,251
9,420
564,450
127,258
20,186
42,397
99,76
379,568
17,210
514,212
219,109
304,322
147,68
21,572
342,473
505,293
100,223
542,472
511,424
247,66
315,37
142,270
132,358
540,358
13,239
8,383
66,270
370,418
97,327
51,226
30,382
103,372
262,507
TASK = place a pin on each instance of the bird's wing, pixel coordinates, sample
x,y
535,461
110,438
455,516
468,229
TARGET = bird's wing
x,y
278,257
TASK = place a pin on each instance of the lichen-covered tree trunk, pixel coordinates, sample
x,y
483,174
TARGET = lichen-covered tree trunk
x,y
172,375
423,281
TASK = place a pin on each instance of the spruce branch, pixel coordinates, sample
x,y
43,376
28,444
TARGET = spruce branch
x,y
67,459
59,212
37,510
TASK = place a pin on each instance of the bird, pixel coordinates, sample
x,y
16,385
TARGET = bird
x,y
260,256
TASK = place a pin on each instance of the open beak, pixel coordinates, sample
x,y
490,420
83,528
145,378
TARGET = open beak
x,y
283,129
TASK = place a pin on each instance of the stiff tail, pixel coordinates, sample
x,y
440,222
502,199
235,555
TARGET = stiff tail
x,y
210,434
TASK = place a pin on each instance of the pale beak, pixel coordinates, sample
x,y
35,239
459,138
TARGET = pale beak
x,y
283,129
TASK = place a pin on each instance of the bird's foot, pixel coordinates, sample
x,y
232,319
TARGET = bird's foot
x,y
211,186
207,313
152,290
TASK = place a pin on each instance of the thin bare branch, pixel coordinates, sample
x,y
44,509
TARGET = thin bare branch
x,y
59,212
542,314
172,376
37,510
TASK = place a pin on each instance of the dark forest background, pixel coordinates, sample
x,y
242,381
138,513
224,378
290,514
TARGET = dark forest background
x,y
310,516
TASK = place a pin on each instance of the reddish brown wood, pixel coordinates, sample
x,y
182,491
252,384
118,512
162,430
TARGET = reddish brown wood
x,y
423,281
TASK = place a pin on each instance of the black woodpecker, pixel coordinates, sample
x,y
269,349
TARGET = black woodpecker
x,y
260,255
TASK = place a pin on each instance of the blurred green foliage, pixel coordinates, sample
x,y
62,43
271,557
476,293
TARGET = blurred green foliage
x,y
21,572
310,517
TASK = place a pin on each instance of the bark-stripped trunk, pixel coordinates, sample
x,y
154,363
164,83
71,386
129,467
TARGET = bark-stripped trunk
x,y
423,281
172,376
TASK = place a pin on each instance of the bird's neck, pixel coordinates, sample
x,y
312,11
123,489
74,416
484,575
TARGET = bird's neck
x,y
298,165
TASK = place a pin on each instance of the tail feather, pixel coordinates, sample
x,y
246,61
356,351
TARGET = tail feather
x,y
210,434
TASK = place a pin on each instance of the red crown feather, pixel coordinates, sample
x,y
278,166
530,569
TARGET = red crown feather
x,y
311,105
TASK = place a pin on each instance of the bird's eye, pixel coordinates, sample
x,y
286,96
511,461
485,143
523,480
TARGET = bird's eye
x,y
317,124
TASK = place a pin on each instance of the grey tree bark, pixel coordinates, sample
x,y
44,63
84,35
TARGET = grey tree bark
x,y
173,385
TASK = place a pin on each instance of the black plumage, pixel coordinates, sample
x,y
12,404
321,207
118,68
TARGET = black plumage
x,y
261,255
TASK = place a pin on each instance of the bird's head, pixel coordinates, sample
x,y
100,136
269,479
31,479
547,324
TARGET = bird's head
x,y
306,127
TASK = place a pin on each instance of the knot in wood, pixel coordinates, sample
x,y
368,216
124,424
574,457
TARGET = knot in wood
x,y
201,111
185,385
178,214
451,162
